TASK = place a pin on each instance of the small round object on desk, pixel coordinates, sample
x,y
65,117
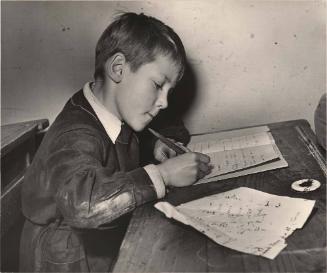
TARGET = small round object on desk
x,y
306,185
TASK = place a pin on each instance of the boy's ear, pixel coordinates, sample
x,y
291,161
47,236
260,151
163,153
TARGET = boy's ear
x,y
115,66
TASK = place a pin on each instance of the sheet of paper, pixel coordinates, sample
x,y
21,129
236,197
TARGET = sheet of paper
x,y
244,219
237,153
228,134
233,160
272,165
227,144
279,162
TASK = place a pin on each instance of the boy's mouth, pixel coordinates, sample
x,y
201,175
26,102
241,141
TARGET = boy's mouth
x,y
150,115
153,113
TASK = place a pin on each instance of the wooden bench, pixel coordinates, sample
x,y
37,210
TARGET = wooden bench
x,y
19,143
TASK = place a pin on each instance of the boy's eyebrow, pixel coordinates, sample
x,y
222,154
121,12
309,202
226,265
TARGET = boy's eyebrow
x,y
166,78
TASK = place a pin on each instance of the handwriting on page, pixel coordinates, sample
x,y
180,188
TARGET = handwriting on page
x,y
246,219
233,160
228,155
240,142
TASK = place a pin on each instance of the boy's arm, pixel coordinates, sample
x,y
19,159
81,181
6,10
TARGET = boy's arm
x,y
88,194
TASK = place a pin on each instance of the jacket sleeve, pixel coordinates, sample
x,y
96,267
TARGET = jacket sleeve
x,y
90,193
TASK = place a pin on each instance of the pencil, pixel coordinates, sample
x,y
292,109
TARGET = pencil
x,y
179,149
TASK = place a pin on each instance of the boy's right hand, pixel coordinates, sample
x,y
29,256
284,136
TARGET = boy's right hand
x,y
185,169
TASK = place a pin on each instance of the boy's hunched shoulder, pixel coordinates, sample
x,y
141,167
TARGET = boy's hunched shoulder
x,y
77,115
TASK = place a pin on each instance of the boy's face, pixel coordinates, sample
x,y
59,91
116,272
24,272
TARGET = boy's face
x,y
143,93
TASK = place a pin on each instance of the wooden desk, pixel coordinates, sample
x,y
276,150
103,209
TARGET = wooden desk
x,y
19,143
154,243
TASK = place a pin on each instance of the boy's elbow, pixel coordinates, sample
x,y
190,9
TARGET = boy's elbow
x,y
94,214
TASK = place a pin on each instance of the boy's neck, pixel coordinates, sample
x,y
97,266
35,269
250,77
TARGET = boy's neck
x,y
97,88
102,91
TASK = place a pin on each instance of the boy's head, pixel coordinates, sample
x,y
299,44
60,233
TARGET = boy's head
x,y
141,60
141,39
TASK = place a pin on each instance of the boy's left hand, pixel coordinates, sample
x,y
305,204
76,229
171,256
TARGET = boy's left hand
x,y
162,152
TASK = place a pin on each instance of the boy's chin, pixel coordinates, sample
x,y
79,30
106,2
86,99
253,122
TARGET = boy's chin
x,y
138,127
139,122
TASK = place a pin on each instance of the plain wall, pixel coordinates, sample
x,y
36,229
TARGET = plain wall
x,y
252,62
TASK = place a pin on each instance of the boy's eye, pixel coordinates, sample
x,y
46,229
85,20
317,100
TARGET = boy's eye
x,y
157,85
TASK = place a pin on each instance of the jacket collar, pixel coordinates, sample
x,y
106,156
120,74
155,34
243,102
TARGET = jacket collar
x,y
110,122
79,100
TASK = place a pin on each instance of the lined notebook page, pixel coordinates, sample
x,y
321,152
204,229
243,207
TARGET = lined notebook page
x,y
237,153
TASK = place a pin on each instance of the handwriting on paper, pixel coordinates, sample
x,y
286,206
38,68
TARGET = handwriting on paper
x,y
228,155
244,219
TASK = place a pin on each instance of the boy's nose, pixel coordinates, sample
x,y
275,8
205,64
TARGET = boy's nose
x,y
162,101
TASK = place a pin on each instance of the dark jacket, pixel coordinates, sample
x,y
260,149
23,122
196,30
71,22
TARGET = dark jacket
x,y
78,192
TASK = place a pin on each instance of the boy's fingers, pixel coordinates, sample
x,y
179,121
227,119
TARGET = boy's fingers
x,y
172,153
160,156
163,155
203,158
201,174
205,168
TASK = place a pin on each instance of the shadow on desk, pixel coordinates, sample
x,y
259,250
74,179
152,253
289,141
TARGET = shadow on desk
x,y
19,143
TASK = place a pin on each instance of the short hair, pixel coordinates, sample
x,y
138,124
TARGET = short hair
x,y
140,38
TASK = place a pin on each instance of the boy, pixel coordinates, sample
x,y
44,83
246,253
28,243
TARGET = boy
x,y
86,176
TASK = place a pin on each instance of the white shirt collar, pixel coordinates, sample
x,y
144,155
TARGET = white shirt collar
x,y
110,122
